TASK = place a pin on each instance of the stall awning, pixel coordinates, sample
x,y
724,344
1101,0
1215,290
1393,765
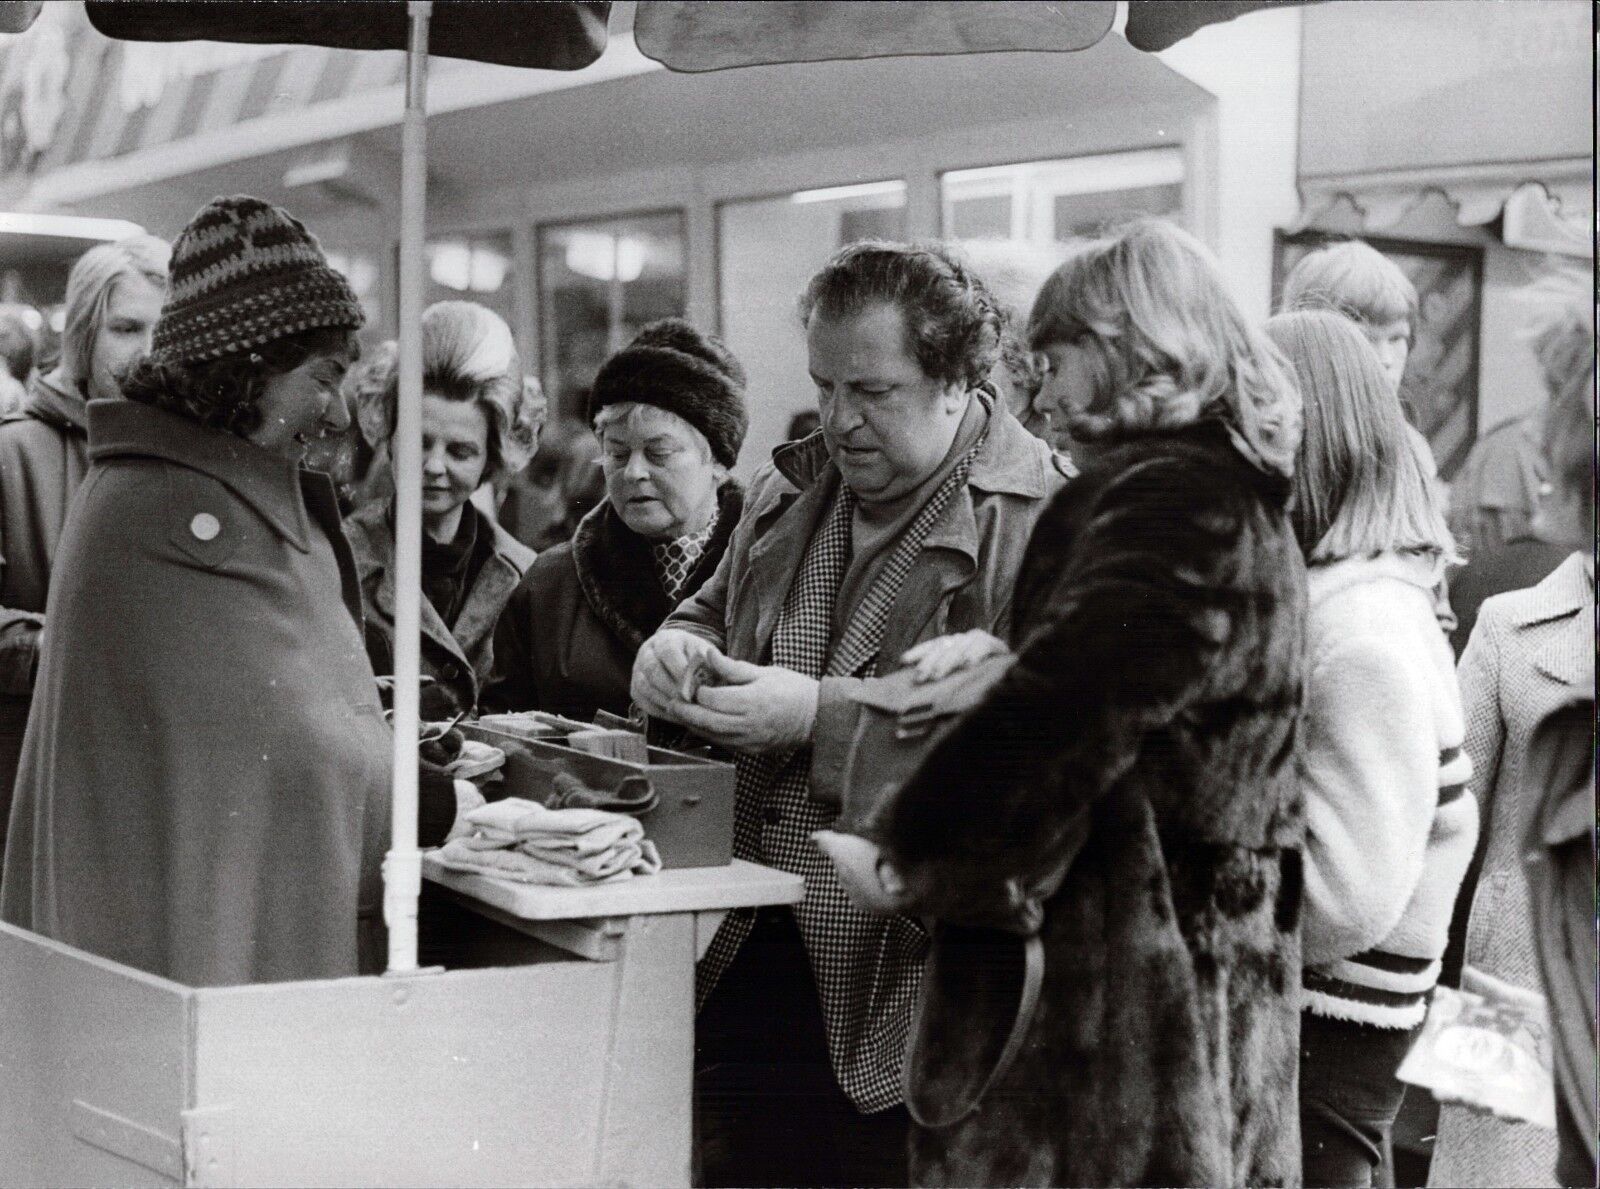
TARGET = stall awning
x,y
1486,109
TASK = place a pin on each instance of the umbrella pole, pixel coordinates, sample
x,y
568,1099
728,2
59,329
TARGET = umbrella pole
x,y
402,866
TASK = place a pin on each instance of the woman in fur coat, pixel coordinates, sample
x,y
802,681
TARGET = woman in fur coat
x,y
669,412
1126,792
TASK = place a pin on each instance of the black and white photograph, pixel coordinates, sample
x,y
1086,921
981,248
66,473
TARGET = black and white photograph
x,y
798,594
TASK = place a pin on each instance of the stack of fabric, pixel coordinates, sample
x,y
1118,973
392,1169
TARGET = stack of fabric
x,y
530,843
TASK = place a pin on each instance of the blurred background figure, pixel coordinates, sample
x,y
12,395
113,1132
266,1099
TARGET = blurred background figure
x,y
1496,495
1531,655
1360,282
114,296
19,346
1014,272
543,505
669,412
478,425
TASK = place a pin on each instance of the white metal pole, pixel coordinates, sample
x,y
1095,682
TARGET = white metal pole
x,y
402,867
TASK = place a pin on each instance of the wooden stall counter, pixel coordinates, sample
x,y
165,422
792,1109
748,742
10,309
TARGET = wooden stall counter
x,y
561,1054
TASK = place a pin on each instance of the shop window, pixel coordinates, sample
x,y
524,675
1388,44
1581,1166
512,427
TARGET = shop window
x,y
1052,202
767,249
600,281
475,266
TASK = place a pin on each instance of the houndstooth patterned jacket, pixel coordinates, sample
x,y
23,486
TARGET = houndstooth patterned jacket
x,y
868,969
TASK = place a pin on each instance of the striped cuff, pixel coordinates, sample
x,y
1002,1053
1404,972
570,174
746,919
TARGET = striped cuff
x,y
1384,990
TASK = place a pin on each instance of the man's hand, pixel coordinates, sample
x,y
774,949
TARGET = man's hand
x,y
755,709
668,670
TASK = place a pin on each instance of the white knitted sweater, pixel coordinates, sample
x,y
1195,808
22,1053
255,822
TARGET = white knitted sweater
x,y
1390,827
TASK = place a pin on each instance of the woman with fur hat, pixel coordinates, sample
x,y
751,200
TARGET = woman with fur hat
x,y
480,424
204,788
1113,834
669,412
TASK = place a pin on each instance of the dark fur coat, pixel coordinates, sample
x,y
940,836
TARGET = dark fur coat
x,y
1159,625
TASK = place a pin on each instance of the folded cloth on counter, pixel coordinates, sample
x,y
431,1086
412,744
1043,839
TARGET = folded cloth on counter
x,y
514,865
532,843
517,822
633,794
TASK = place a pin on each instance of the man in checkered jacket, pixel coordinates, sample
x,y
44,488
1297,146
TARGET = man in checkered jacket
x,y
903,518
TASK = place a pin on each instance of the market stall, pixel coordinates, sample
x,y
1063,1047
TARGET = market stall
x,y
560,1050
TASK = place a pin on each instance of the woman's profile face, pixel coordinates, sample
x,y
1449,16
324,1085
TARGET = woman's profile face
x,y
660,479
887,423
455,452
1077,380
300,407
132,308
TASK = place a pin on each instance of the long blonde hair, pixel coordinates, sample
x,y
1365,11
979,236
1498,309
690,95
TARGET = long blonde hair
x,y
89,287
1176,344
1360,488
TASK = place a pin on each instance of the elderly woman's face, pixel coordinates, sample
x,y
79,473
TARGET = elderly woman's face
x,y
132,308
887,423
660,476
455,453
300,407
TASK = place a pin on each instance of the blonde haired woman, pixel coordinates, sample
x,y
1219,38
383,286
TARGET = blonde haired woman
x,y
1126,792
1389,823
479,424
114,295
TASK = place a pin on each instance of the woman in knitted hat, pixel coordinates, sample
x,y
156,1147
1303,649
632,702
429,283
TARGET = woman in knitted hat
x,y
480,424
669,412
204,786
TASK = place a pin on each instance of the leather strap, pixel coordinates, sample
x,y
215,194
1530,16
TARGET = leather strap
x,y
1027,1007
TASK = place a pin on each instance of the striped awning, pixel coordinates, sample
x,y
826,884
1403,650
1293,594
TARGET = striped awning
x,y
118,98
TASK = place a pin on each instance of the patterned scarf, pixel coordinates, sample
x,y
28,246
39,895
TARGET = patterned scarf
x,y
675,560
867,1009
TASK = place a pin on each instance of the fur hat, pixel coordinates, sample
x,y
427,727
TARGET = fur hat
x,y
243,273
672,366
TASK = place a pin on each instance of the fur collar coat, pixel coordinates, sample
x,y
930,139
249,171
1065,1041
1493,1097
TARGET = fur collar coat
x,y
566,645
1144,741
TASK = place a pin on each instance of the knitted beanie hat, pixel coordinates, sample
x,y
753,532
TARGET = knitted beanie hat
x,y
243,273
673,366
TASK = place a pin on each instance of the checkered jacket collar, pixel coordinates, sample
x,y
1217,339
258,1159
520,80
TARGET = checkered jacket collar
x,y
1001,467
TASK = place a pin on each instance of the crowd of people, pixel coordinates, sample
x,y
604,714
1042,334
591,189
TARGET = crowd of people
x,y
1165,904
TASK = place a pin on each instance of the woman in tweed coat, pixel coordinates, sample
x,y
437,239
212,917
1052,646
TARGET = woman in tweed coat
x,y
1530,653
1127,791
903,518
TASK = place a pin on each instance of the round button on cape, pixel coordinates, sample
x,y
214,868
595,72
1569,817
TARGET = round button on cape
x,y
205,526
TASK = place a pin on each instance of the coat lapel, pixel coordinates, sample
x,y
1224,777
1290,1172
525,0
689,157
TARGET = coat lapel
x,y
948,561
775,558
1565,632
